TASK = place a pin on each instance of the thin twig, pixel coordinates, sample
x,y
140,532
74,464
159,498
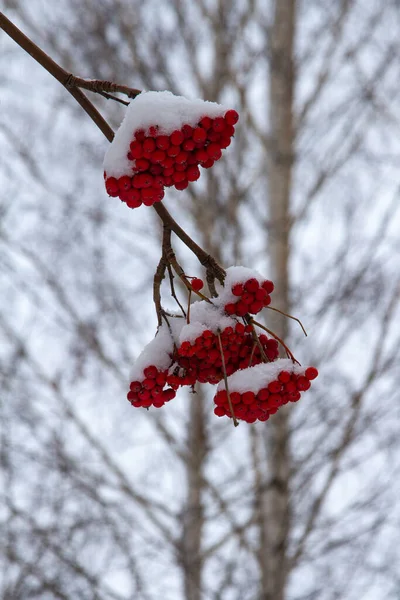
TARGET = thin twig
x,y
289,317
158,277
235,422
111,97
173,293
188,309
98,86
252,354
288,351
257,341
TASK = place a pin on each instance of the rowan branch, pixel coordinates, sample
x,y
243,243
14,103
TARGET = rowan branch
x,y
73,84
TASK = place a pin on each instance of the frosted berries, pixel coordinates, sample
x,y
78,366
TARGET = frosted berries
x,y
258,392
251,297
245,292
201,360
162,143
149,391
221,345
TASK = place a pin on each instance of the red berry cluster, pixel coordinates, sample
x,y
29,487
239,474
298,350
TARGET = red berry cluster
x,y
160,161
202,361
251,406
252,296
150,390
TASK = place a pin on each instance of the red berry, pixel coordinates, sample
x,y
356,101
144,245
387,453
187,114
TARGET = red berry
x,y
149,384
205,123
230,309
181,185
237,289
247,298
158,156
263,395
199,135
267,300
252,285
173,150
284,376
181,157
133,198
153,131
268,286
124,183
207,164
214,136
255,307
241,309
162,142
150,372
193,173
176,137
219,124
303,384
135,386
248,397
311,373
140,135
136,149
146,180
149,145
197,284
112,187
224,142
274,387
168,395
231,117
214,151
155,169
219,411
187,131
261,294
142,164
188,145
201,155
178,176
235,397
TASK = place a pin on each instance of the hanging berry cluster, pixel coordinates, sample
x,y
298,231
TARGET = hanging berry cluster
x,y
217,347
162,142
150,153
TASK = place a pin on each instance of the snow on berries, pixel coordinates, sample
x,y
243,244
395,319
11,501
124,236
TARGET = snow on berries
x,y
221,346
149,386
162,142
245,292
258,392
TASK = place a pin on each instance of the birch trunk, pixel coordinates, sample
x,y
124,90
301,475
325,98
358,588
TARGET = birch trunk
x,y
275,504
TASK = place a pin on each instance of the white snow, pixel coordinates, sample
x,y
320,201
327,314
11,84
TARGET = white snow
x,y
255,378
158,352
234,275
164,109
203,316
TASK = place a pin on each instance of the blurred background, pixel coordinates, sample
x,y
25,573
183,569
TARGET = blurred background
x,y
101,501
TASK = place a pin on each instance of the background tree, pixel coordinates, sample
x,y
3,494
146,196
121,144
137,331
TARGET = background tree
x,y
102,501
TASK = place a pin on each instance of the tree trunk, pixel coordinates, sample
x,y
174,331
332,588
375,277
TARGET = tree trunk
x,y
274,501
193,517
